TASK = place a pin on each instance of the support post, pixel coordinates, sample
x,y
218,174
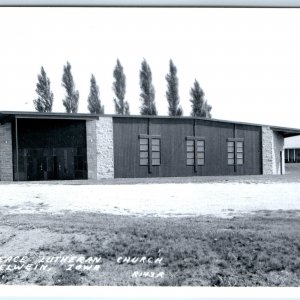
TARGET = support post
x,y
17,149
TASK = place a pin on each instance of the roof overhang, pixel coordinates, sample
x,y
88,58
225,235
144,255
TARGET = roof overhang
x,y
286,132
9,116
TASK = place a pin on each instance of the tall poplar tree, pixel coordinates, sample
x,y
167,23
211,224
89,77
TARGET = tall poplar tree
x,y
172,91
72,95
45,97
119,87
147,95
200,107
94,103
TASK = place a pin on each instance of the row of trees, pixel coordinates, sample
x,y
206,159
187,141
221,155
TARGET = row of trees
x,y
44,101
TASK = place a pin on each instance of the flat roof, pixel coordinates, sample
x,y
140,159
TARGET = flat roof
x,y
7,116
286,132
292,143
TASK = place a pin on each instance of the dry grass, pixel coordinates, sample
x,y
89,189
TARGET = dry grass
x,y
258,250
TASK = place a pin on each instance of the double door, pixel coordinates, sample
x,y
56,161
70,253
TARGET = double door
x,y
52,164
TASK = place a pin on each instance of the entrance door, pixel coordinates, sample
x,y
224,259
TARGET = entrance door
x,y
55,164
63,169
42,165
36,167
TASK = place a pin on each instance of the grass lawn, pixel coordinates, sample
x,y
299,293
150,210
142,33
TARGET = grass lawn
x,y
262,249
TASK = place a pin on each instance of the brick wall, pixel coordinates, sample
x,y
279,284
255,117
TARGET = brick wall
x,y
100,152
272,144
6,156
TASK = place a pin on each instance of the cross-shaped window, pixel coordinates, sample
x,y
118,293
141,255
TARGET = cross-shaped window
x,y
235,151
195,151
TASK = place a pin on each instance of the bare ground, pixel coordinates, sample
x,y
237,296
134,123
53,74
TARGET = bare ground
x,y
232,197
260,247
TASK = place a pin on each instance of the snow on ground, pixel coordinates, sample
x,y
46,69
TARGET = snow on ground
x,y
188,199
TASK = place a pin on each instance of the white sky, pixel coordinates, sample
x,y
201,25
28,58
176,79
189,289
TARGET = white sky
x,y
246,60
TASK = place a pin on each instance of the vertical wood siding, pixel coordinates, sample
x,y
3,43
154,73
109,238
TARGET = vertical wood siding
x,y
173,133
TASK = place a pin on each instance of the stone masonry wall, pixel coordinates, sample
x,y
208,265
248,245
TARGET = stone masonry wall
x,y
278,145
267,150
100,152
272,144
91,145
6,156
105,149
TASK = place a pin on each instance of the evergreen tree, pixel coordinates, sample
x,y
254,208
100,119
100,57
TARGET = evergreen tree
x,y
207,109
45,97
172,91
119,87
200,107
147,90
94,103
72,96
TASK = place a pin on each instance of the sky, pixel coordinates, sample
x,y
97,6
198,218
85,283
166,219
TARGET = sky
x,y
247,61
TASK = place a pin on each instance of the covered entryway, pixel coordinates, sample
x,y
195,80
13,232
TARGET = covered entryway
x,y
49,149
52,163
48,146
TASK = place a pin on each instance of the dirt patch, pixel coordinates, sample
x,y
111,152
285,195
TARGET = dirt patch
x,y
25,240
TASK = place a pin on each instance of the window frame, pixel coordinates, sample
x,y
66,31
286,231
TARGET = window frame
x,y
143,151
235,151
156,151
195,151
150,151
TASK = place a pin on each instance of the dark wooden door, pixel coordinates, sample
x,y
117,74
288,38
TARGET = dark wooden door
x,y
61,161
36,167
55,164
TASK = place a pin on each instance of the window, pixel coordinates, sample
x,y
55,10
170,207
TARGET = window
x,y
193,152
239,153
144,152
149,153
155,152
235,152
190,152
200,152
230,153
